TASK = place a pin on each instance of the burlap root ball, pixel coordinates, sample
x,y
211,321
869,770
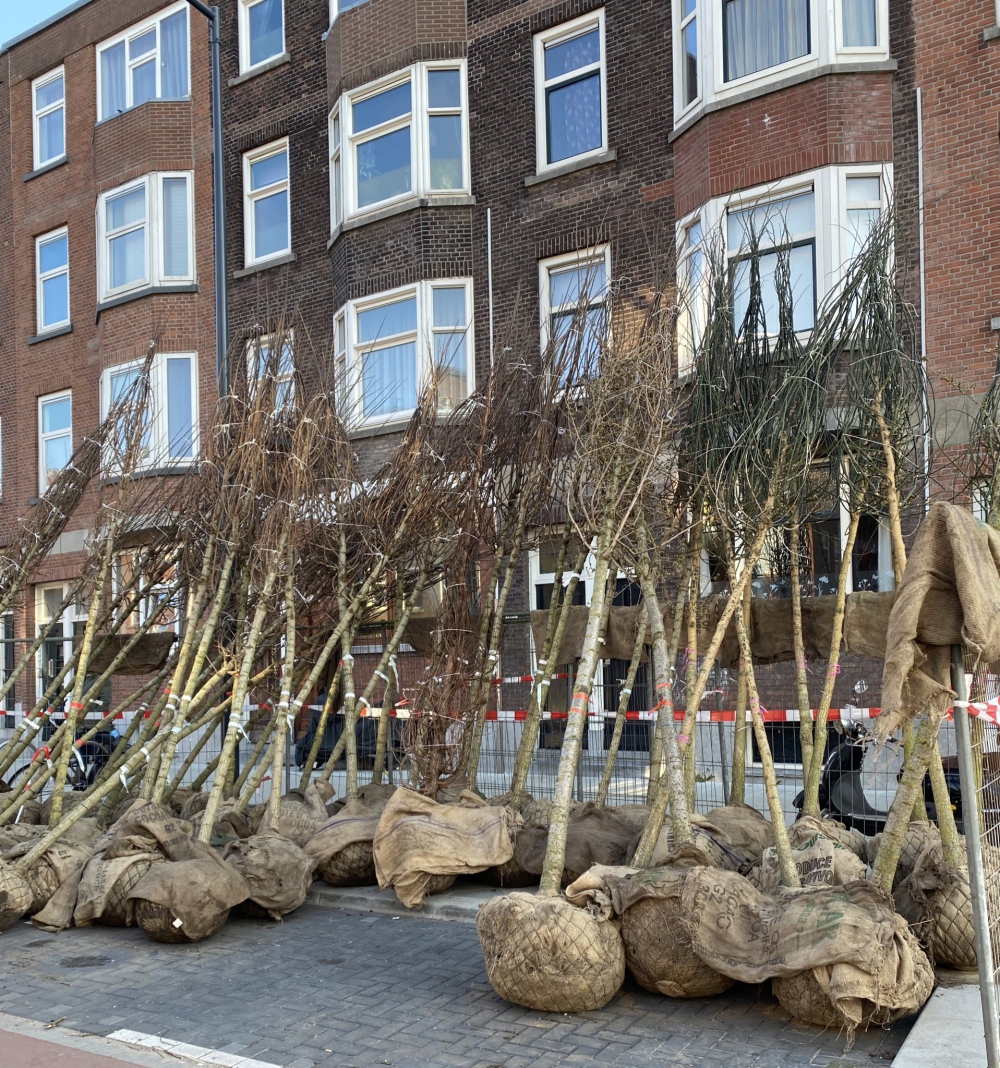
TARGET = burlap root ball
x,y
43,880
252,910
157,921
918,837
15,896
658,952
115,912
354,865
437,884
508,874
806,1000
545,954
948,932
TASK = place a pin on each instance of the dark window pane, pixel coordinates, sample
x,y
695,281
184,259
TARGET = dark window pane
x,y
574,117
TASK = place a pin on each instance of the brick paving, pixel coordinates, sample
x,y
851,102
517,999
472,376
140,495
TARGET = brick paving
x,y
348,990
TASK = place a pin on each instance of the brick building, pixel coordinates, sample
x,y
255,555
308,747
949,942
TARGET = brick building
x,y
406,179
106,194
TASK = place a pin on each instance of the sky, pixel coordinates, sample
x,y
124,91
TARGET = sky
x,y
16,16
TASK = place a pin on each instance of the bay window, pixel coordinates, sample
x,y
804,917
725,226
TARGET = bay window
x,y
170,434
145,234
403,136
691,296
151,61
727,49
267,209
391,346
48,95
570,91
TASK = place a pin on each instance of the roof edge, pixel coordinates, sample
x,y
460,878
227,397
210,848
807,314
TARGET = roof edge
x,y
50,21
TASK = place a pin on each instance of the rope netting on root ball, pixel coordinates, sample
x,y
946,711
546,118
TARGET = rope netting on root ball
x,y
546,954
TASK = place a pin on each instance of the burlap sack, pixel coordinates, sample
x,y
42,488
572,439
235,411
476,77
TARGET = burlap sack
x,y
807,997
14,834
372,795
803,829
819,861
303,812
866,623
276,870
15,895
850,937
594,836
919,836
187,900
230,825
342,848
950,594
746,830
193,804
709,838
658,949
60,864
417,839
545,954
937,900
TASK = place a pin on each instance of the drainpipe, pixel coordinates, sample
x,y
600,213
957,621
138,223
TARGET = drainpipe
x,y
924,404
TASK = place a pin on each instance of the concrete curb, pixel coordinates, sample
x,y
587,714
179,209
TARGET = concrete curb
x,y
459,904
948,1031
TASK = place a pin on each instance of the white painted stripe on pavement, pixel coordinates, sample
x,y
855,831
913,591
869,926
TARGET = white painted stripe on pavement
x,y
198,1054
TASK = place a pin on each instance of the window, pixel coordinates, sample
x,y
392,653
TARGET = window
x,y
406,136
58,647
145,234
264,362
864,204
570,111
171,431
149,62
689,39
391,346
860,23
262,31
763,33
573,292
724,49
787,224
692,296
55,436
49,104
52,280
266,204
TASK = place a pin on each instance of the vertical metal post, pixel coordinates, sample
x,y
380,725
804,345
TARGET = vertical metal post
x,y
973,845
583,737
722,757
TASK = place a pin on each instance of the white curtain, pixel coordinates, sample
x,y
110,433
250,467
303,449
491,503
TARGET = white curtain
x,y
174,57
113,81
764,33
175,227
859,24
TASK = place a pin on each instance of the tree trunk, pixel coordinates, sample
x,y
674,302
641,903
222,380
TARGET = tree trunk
x,y
656,749
623,702
286,721
801,676
737,788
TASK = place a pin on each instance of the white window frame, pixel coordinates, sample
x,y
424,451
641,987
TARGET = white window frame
x,y
256,155
417,119
875,171
157,451
155,244
137,31
337,193
75,612
680,73
580,258
282,378
826,48
350,383
693,298
565,31
39,113
831,233
244,35
43,239
43,438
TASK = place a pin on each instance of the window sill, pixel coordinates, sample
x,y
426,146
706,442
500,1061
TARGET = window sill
x,y
146,291
856,66
991,33
261,68
434,200
46,167
182,467
264,265
59,331
571,167
374,430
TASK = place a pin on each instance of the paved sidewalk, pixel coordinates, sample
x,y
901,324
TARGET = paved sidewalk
x,y
349,990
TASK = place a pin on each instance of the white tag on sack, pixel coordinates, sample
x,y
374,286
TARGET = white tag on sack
x,y
176,923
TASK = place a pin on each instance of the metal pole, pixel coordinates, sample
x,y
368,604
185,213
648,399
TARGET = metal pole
x,y
219,206
973,845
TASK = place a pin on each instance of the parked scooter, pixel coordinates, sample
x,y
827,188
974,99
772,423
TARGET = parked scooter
x,y
841,790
